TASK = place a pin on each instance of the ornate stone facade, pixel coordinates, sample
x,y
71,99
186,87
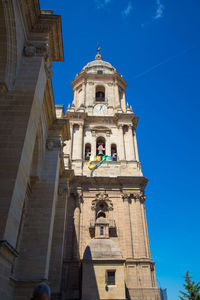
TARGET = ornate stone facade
x,y
112,210
64,221
33,182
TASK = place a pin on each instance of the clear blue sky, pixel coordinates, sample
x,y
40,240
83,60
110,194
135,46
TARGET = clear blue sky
x,y
155,45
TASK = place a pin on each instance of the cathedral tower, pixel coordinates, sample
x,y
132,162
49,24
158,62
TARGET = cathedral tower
x,y
107,253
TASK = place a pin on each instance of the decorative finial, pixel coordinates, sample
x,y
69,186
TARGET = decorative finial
x,y
98,48
98,56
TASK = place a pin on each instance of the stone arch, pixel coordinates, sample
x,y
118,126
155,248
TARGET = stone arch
x,y
100,93
100,145
87,151
101,209
8,53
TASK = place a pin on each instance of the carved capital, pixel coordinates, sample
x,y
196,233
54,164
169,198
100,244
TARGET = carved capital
x,y
120,126
62,189
78,197
139,197
126,197
43,50
29,50
53,144
35,49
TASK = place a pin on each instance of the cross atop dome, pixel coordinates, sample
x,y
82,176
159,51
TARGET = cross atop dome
x,y
98,56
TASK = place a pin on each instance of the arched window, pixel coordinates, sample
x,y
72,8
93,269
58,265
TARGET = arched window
x,y
114,152
101,210
100,93
87,151
101,214
100,146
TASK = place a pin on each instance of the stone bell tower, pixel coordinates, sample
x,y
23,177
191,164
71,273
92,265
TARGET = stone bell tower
x,y
107,253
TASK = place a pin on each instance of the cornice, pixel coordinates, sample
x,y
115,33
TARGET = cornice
x,y
43,26
62,125
53,24
130,261
121,182
83,75
76,115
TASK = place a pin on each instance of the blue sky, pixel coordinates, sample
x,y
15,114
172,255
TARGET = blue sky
x,y
155,45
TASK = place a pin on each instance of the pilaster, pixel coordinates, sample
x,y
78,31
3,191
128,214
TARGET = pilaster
x,y
121,143
35,248
130,153
59,230
19,116
128,226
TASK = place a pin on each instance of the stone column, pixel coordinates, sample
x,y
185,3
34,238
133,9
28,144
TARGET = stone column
x,y
19,118
135,146
108,145
120,145
57,250
70,142
75,97
140,244
130,152
35,248
84,92
123,102
93,144
128,226
116,93
77,142
148,252
76,237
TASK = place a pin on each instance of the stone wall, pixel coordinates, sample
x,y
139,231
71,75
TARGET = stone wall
x,y
31,137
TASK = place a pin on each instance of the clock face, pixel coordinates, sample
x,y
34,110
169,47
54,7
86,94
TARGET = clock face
x,y
100,109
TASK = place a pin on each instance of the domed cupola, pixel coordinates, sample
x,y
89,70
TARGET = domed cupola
x,y
98,81
99,66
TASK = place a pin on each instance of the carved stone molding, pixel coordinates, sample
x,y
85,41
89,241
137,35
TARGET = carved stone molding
x,y
104,198
29,50
62,189
53,144
38,49
3,88
48,66
78,196
139,197
126,197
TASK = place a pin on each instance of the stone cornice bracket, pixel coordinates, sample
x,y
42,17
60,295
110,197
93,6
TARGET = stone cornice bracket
x,y
139,197
104,198
33,49
126,197
53,144
78,197
62,189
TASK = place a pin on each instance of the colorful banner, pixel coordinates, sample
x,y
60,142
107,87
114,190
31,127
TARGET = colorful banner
x,y
96,161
